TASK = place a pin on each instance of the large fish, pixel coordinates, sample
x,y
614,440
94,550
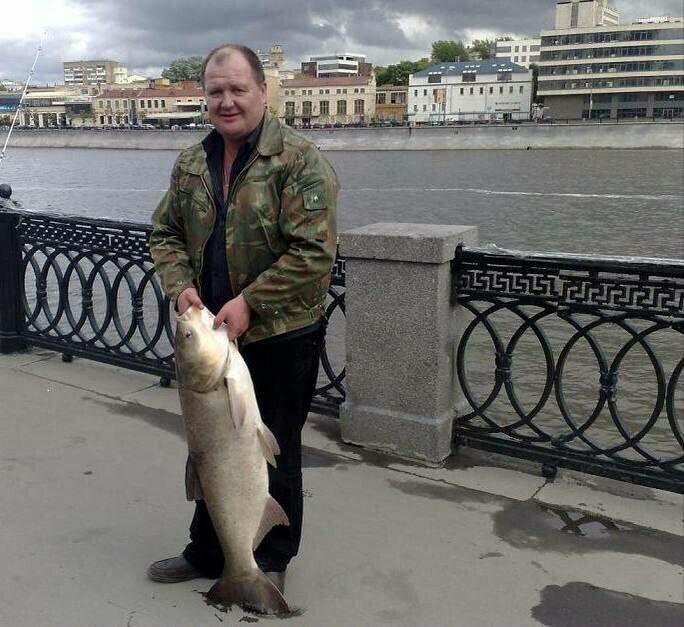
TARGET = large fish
x,y
229,448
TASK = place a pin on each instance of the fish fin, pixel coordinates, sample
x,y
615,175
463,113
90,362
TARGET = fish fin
x,y
257,594
238,407
268,443
273,515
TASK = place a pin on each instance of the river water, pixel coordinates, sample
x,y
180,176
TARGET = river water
x,y
621,202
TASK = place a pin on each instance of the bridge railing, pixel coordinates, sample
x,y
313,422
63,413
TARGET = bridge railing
x,y
87,288
573,361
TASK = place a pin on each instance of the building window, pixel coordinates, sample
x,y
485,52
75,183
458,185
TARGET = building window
x,y
523,59
306,109
380,98
156,104
338,91
481,90
149,104
363,90
116,104
289,109
434,78
462,91
491,90
424,107
415,107
524,49
415,92
341,107
517,49
510,89
163,104
425,92
358,106
344,91
515,59
434,107
471,91
125,104
522,89
503,76
320,91
327,91
468,77
356,90
142,104
101,104
325,107
501,90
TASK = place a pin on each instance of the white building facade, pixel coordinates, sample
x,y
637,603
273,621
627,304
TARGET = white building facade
x,y
520,51
338,64
585,14
472,91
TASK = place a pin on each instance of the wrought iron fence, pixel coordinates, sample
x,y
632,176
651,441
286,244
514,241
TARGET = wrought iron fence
x,y
87,288
573,361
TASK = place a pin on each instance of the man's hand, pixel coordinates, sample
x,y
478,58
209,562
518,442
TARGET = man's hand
x,y
186,299
236,314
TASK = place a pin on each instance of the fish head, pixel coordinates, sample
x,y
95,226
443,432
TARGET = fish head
x,y
201,351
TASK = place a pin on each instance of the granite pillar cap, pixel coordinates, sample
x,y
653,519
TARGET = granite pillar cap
x,y
396,241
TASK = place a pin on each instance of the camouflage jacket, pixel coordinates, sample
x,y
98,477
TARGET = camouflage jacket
x,y
280,229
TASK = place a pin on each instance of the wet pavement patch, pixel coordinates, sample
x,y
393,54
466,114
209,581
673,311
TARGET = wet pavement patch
x,y
441,491
533,526
578,604
315,458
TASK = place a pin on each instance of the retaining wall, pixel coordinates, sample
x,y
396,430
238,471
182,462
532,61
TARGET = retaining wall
x,y
514,137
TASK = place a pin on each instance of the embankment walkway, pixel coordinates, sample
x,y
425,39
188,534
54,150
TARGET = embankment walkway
x,y
92,461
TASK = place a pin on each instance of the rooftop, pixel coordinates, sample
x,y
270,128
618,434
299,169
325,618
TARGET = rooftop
x,y
334,81
487,66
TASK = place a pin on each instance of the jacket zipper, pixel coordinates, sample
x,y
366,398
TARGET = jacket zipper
x,y
204,244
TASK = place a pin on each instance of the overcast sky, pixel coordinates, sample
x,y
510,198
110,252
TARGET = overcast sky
x,y
146,35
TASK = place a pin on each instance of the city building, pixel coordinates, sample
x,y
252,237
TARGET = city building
x,y
46,106
337,65
585,14
308,101
92,72
12,85
613,70
391,103
520,51
474,90
9,103
274,58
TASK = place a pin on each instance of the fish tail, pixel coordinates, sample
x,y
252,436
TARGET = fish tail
x,y
257,594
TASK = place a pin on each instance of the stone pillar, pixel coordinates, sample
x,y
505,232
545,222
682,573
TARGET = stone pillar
x,y
401,339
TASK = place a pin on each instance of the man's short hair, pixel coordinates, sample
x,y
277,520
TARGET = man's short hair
x,y
221,52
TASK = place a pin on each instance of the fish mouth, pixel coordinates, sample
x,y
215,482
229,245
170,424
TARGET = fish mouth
x,y
184,317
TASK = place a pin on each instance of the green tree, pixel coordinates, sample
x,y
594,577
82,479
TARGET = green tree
x,y
184,69
398,74
448,51
2,87
482,48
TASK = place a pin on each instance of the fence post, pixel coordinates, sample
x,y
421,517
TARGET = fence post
x,y
401,338
11,309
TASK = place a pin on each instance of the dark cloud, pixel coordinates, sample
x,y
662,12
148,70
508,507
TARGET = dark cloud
x,y
146,35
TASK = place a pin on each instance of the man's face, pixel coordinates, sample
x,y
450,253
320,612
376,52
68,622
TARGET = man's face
x,y
235,101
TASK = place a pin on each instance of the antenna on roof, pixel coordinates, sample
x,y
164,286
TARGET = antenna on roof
x,y
21,100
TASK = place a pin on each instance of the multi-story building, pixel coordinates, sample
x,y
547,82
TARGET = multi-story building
x,y
337,65
585,14
46,106
391,103
92,72
614,71
474,90
9,103
520,51
274,58
308,101
161,107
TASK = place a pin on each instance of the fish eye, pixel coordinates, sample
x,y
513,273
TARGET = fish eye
x,y
188,334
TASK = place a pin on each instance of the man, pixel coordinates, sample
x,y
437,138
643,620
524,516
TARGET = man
x,y
247,229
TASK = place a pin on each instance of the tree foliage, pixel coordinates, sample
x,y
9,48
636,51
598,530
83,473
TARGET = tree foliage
x,y
448,51
482,48
398,74
184,69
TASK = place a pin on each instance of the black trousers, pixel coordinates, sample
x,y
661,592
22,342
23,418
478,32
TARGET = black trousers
x,y
284,371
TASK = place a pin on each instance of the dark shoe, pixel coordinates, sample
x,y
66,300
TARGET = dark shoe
x,y
277,579
173,570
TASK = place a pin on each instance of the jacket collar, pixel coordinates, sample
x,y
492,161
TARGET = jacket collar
x,y
269,143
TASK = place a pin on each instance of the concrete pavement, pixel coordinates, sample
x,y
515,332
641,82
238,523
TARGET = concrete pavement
x,y
92,460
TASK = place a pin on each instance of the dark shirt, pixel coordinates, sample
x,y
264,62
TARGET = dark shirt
x,y
216,288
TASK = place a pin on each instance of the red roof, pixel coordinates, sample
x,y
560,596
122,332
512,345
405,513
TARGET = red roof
x,y
170,92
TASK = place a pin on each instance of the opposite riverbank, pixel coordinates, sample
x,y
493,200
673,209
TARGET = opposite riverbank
x,y
94,457
526,136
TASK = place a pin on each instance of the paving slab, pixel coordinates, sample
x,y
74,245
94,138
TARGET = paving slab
x,y
92,492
